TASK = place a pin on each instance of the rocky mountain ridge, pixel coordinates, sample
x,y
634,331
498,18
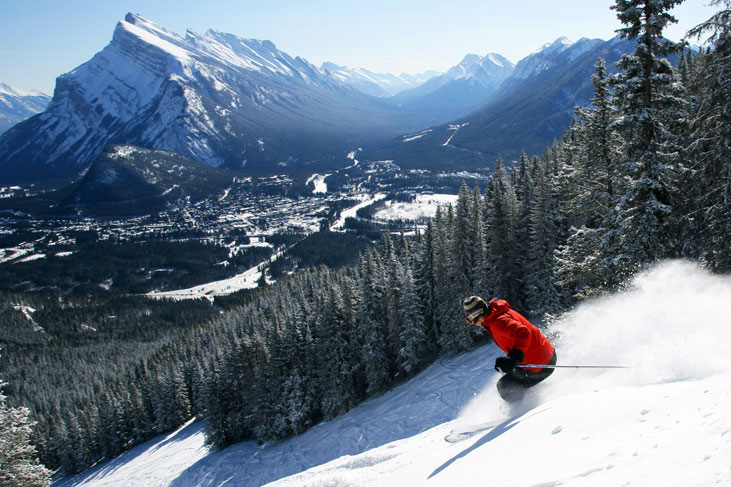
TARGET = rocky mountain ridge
x,y
216,98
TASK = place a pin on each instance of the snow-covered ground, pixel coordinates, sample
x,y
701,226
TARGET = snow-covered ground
x,y
246,280
425,205
351,212
662,422
318,180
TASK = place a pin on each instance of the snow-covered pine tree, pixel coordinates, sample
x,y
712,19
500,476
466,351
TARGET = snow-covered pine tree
x,y
466,244
709,193
603,146
448,297
651,117
392,300
425,281
503,259
541,296
524,182
19,465
478,219
112,437
588,189
415,345
371,325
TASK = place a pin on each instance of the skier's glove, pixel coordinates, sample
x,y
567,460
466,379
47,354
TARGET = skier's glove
x,y
507,364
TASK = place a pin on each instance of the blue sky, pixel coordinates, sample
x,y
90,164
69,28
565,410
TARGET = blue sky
x,y
41,39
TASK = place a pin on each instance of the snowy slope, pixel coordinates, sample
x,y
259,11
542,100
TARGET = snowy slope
x,y
662,422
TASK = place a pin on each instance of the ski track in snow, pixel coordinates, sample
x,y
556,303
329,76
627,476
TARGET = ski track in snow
x,y
663,422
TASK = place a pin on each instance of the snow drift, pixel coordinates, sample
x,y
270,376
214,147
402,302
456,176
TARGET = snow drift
x,y
662,422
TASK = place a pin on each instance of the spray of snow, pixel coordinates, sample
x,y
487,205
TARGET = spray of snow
x,y
667,326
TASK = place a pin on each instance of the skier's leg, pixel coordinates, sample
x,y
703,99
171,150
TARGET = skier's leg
x,y
530,379
510,389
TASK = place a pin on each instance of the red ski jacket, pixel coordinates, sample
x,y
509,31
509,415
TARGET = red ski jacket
x,y
512,330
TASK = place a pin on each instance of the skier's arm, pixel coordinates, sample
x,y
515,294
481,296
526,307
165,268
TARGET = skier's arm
x,y
519,332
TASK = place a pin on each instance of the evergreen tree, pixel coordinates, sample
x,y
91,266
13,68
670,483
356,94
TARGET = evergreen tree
x,y
708,180
453,337
414,349
504,263
589,186
467,243
372,325
425,281
19,465
651,108
336,387
541,296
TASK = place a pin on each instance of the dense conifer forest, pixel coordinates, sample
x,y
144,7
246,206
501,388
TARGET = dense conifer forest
x,y
643,174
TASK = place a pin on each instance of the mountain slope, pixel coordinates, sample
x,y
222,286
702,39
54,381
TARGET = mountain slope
x,y
17,105
537,105
459,90
215,98
662,422
128,180
532,108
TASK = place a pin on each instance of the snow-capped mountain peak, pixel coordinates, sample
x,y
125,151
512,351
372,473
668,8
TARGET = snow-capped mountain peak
x,y
153,34
7,90
498,60
548,55
17,104
556,46
376,84
210,97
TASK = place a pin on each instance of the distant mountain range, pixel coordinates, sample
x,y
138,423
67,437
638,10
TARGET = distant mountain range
x,y
241,104
215,98
531,108
459,90
377,84
17,105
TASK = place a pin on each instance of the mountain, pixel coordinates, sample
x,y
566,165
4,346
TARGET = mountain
x,y
662,422
17,105
535,110
216,98
128,180
531,108
459,90
376,84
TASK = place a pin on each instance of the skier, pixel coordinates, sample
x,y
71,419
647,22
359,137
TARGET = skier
x,y
516,336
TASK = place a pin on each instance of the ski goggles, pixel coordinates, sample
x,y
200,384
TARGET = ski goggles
x,y
473,317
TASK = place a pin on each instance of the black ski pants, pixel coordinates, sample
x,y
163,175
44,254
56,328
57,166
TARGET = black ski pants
x,y
512,386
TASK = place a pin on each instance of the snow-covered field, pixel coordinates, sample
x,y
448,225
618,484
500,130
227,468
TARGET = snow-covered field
x,y
318,180
424,206
339,225
662,422
246,280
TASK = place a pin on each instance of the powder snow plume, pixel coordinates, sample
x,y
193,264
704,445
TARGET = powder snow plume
x,y
669,325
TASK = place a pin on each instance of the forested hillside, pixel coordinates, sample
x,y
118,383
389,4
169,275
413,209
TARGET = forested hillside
x,y
643,175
